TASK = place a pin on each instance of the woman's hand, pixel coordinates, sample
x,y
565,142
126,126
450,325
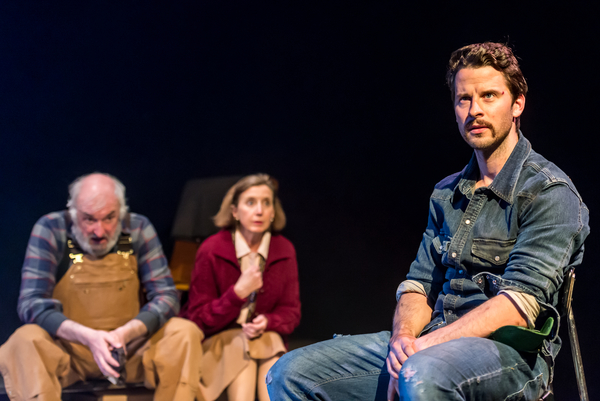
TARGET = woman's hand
x,y
256,328
250,281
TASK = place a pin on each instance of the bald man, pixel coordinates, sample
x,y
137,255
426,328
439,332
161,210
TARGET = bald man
x,y
80,299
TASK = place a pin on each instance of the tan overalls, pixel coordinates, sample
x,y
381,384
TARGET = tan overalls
x,y
101,294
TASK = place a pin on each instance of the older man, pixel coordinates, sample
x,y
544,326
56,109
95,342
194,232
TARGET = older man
x,y
501,233
80,295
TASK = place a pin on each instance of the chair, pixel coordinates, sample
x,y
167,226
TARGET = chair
x,y
97,390
565,310
200,200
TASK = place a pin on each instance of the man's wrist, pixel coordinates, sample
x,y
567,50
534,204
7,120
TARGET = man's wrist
x,y
72,331
404,332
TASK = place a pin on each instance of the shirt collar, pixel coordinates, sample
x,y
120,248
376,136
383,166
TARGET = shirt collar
x,y
242,249
505,181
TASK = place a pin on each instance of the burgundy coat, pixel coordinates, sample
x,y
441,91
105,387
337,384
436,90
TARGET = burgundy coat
x,y
212,303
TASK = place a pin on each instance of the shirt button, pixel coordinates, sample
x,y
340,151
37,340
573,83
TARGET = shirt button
x,y
453,254
497,258
467,221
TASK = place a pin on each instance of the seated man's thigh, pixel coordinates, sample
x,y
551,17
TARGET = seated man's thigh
x,y
172,355
472,368
347,367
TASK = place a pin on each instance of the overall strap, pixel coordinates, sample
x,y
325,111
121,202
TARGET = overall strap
x,y
70,248
124,245
72,252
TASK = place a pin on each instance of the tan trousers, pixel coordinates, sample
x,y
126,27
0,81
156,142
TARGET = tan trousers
x,y
37,367
229,355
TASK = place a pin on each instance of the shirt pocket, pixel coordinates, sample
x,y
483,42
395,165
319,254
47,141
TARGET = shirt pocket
x,y
491,254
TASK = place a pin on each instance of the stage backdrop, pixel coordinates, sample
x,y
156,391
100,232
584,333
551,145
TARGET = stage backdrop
x,y
343,101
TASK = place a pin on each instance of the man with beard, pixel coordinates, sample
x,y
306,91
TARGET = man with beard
x,y
80,297
500,235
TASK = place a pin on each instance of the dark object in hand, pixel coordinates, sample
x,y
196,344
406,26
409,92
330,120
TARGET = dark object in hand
x,y
119,355
251,307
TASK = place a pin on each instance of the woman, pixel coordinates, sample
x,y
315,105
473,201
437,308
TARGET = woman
x,y
244,292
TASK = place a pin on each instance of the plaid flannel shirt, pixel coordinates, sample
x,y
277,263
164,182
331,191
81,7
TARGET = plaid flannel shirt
x,y
46,249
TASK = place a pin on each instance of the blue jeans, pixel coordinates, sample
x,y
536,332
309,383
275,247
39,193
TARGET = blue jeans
x,y
353,368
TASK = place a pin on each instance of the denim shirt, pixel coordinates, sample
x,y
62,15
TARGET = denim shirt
x,y
521,233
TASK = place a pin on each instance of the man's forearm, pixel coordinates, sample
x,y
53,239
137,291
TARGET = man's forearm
x,y
480,322
78,333
412,314
131,330
74,332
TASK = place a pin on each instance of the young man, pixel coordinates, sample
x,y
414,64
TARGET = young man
x,y
80,295
501,233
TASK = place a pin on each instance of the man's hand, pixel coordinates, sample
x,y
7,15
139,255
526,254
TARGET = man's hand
x,y
429,340
99,342
401,347
256,327
250,281
412,314
129,332
392,389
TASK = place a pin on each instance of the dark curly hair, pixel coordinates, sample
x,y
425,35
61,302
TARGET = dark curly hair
x,y
496,55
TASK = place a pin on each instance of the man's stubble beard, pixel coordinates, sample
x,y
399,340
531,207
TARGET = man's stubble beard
x,y
498,138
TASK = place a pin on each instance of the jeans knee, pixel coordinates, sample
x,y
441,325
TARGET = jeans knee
x,y
418,380
277,372
425,376
280,373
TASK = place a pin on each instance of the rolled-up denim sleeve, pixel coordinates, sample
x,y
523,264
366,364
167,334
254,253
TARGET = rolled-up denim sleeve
x,y
426,268
552,228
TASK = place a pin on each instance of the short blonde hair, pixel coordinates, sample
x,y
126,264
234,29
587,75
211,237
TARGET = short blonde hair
x,y
224,218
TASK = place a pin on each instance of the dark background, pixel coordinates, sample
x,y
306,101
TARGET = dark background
x,y
343,101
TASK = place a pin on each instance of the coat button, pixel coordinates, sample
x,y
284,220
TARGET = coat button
x,y
467,222
453,254
497,258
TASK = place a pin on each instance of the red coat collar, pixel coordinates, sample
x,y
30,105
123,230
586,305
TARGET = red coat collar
x,y
224,248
